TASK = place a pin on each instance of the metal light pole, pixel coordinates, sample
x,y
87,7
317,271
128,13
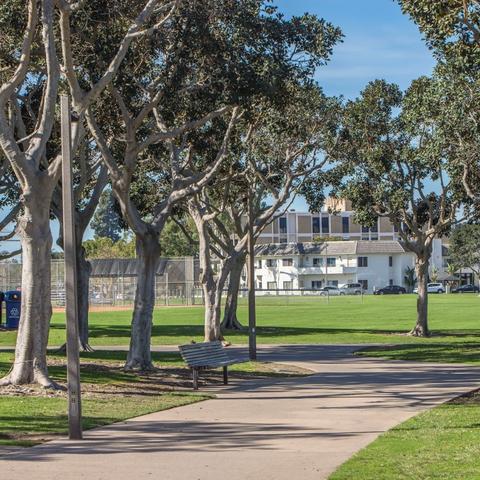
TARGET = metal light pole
x,y
252,321
71,302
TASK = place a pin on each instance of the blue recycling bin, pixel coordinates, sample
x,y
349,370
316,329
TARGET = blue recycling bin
x,y
13,301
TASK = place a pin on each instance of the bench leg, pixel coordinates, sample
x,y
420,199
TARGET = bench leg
x,y
195,378
225,375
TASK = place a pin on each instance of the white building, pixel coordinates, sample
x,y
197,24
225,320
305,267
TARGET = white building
x,y
311,265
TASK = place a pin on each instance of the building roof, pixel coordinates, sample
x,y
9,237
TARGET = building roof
x,y
347,247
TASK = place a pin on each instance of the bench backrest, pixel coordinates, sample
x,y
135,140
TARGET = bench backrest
x,y
204,354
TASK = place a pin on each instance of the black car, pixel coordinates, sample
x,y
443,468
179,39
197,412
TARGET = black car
x,y
390,290
465,289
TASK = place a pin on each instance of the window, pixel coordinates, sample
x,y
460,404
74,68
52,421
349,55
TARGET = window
x,y
331,262
333,283
325,225
271,262
288,285
259,282
271,285
364,284
318,262
316,225
362,261
374,232
345,225
365,233
390,261
390,282
283,225
316,284
259,263
287,262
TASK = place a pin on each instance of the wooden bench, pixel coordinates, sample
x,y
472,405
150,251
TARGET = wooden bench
x,y
205,355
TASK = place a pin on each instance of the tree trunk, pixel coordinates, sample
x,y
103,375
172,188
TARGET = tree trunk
x,y
213,304
421,270
148,258
230,320
84,269
36,308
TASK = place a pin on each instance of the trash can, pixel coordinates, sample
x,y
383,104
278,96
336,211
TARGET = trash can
x,y
2,296
12,308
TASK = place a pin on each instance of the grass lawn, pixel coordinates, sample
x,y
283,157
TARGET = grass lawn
x,y
453,318
441,444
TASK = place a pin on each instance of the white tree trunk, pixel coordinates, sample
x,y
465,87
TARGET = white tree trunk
x,y
148,258
230,320
32,339
421,270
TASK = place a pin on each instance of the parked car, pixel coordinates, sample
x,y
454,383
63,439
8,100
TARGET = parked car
x,y
390,290
466,289
432,288
351,289
330,291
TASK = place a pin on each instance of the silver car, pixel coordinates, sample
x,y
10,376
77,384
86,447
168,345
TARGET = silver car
x,y
351,289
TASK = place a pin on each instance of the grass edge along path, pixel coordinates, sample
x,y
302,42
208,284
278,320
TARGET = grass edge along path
x,y
442,444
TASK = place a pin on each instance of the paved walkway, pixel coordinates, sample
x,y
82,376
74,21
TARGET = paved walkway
x,y
287,428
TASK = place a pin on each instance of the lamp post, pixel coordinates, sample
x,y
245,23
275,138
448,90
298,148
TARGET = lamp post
x,y
71,302
252,321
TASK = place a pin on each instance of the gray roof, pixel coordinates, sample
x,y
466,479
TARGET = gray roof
x,y
348,247
120,267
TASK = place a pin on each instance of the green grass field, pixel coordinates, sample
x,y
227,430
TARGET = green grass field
x,y
441,444
453,318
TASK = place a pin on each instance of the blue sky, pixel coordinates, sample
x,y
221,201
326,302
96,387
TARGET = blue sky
x,y
379,42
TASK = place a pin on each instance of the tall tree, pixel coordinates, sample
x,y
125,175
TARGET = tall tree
x,y
30,67
198,80
397,172
464,248
107,221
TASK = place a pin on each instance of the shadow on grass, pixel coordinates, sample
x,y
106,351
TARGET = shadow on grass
x,y
427,352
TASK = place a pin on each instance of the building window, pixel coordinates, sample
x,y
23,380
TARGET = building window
x,y
364,284
316,284
325,225
333,283
316,225
288,285
362,261
365,233
331,262
259,282
390,282
271,262
259,263
374,232
318,262
283,225
390,261
287,262
271,285
283,240
345,224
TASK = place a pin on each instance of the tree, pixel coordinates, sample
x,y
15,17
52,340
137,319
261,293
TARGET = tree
x,y
30,67
179,238
434,274
280,147
410,279
217,58
104,247
464,249
398,172
107,221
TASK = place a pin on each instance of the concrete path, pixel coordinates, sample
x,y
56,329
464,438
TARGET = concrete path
x,y
287,428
